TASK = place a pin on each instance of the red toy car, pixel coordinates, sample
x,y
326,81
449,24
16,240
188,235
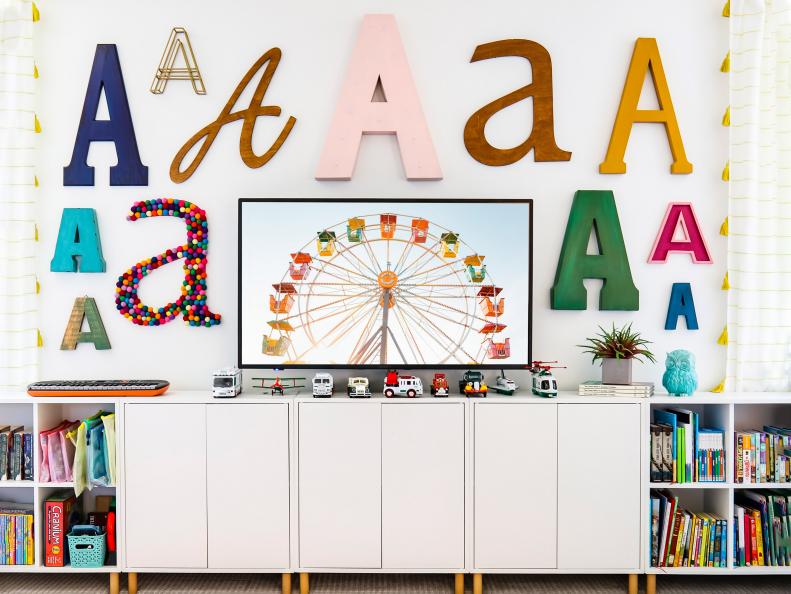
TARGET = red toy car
x,y
439,385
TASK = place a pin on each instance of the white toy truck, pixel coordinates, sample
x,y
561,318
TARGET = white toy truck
x,y
226,382
358,387
322,385
402,385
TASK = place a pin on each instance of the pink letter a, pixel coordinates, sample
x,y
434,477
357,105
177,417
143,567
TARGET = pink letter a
x,y
693,243
378,56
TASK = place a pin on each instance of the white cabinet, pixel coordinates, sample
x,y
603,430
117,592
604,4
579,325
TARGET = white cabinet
x,y
248,485
423,485
599,486
515,485
340,511
165,477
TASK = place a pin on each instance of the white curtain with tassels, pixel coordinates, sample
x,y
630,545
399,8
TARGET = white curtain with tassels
x,y
19,336
759,211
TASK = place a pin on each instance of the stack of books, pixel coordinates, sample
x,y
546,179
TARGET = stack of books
x,y
16,454
763,456
761,529
16,534
681,538
635,390
683,452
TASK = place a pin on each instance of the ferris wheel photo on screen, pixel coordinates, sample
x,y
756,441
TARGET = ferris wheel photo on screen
x,y
373,283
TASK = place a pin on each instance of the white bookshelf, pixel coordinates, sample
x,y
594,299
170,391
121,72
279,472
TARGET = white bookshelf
x,y
732,412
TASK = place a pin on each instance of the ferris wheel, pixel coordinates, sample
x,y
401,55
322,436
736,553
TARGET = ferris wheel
x,y
387,289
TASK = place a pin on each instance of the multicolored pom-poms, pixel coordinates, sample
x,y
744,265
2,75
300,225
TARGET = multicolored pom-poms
x,y
192,303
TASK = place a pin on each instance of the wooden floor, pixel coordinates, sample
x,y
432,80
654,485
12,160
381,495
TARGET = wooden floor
x,y
388,584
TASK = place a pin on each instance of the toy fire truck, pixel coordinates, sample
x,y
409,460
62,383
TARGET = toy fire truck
x,y
402,385
472,384
439,385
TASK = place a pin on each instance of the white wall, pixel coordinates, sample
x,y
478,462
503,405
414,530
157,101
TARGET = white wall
x,y
590,44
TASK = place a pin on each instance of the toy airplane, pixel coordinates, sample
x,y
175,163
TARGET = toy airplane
x,y
277,386
543,382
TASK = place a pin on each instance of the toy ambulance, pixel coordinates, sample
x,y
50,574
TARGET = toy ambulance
x,y
322,385
439,385
226,382
402,385
358,387
472,384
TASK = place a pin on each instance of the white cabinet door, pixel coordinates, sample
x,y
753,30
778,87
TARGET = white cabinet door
x,y
165,457
423,486
515,485
599,486
248,485
340,512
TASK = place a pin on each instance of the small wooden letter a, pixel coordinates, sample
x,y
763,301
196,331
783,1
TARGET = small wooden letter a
x,y
178,43
85,307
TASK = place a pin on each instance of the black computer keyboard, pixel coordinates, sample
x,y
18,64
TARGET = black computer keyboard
x,y
98,388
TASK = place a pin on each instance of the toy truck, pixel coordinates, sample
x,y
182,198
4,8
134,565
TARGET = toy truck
x,y
322,385
439,385
358,387
226,382
472,384
402,385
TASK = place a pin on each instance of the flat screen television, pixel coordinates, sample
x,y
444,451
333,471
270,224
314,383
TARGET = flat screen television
x,y
403,284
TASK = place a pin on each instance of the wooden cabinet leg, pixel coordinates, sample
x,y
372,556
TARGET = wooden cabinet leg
x,y
304,583
477,583
131,579
632,583
459,589
650,583
115,583
286,583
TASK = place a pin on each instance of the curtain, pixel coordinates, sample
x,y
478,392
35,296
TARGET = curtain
x,y
19,336
758,333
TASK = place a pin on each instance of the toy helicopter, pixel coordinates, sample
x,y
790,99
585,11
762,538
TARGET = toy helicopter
x,y
277,386
544,383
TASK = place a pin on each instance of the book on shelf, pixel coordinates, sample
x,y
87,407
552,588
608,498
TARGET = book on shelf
x,y
762,528
762,456
58,511
16,454
16,533
690,453
634,390
684,538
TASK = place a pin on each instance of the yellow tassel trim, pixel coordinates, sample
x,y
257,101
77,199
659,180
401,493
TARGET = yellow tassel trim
x,y
726,63
35,181
726,10
726,119
726,173
723,339
35,71
719,388
36,13
724,227
38,286
36,124
35,231
725,284
39,340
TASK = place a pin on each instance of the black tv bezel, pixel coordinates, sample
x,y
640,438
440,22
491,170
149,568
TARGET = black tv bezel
x,y
522,365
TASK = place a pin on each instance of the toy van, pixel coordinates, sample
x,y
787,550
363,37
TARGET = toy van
x,y
323,386
226,382
404,385
358,387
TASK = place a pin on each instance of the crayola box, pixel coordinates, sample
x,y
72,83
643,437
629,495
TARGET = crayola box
x,y
58,509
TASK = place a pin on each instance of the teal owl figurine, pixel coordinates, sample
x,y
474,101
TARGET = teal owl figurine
x,y
680,378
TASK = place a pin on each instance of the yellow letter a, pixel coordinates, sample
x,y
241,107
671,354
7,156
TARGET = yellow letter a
x,y
645,57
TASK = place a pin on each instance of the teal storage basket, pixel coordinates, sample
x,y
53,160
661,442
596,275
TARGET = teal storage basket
x,y
87,546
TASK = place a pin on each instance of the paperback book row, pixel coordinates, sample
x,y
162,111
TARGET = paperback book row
x,y
762,529
16,534
80,451
62,511
763,456
16,454
682,538
684,452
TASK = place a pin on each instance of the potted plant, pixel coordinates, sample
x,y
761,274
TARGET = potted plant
x,y
616,349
